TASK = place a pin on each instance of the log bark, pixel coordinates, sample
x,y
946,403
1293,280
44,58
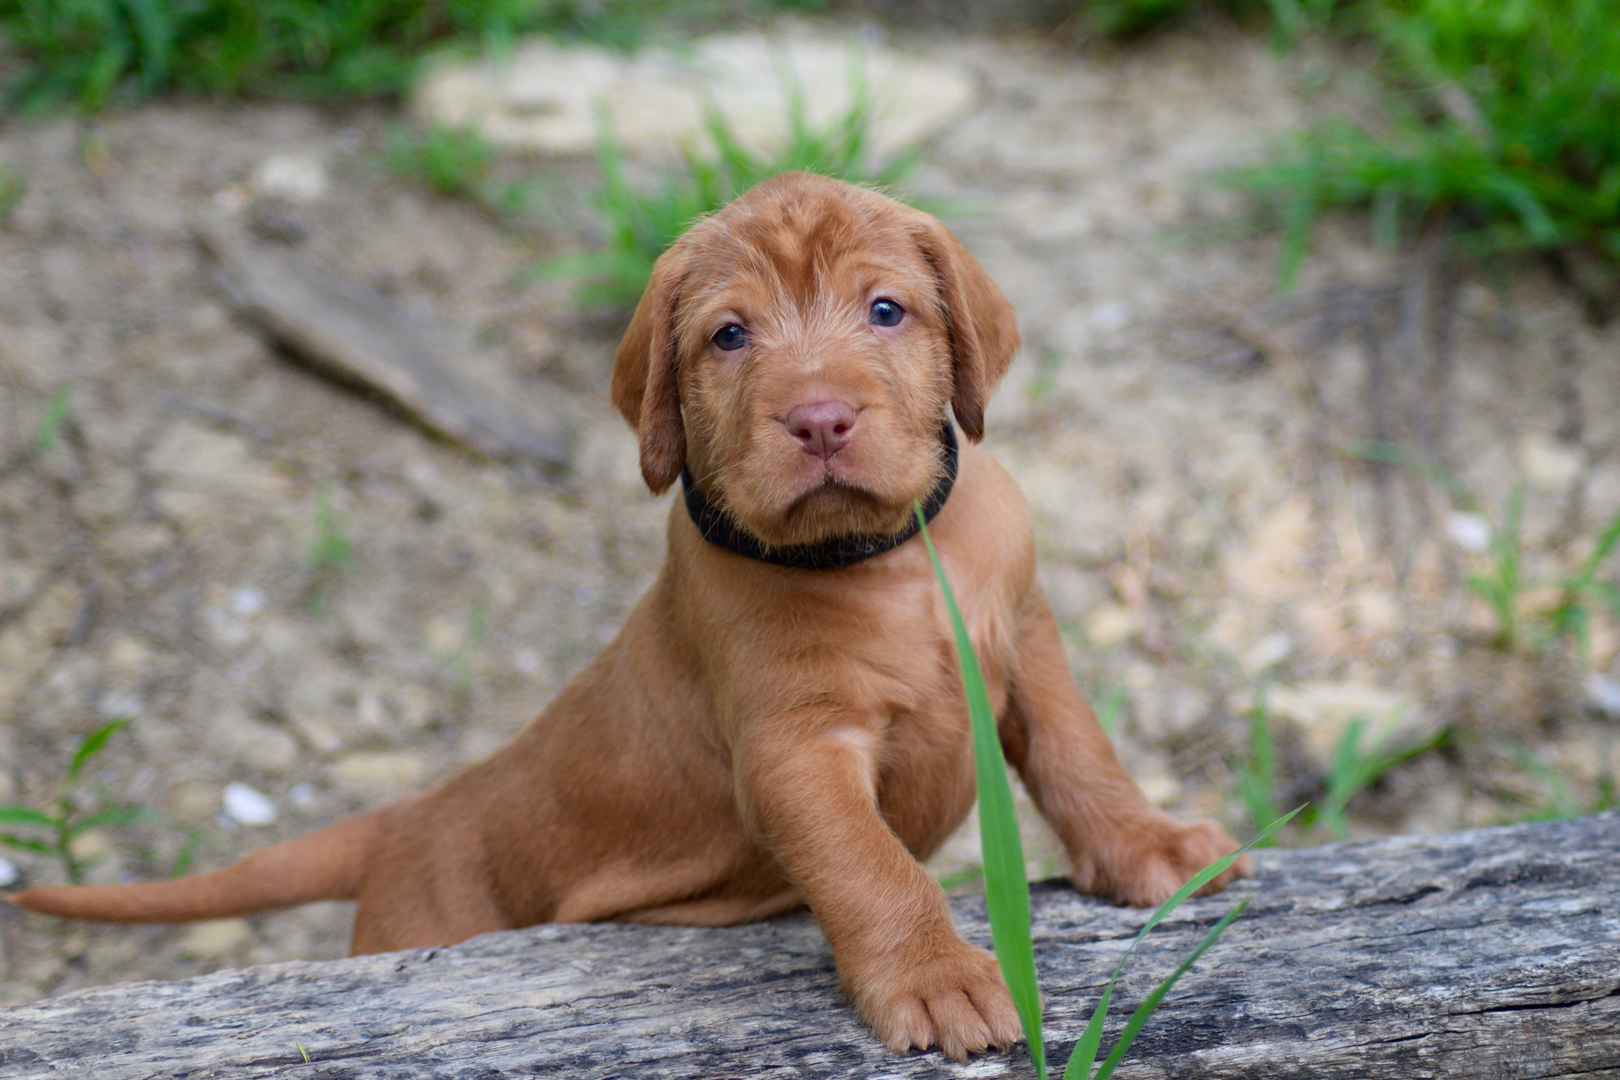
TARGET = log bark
x,y
1483,954
424,367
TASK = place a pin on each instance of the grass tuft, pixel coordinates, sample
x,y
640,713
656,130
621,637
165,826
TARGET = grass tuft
x,y
452,161
55,830
12,190
1007,892
642,223
50,421
97,53
329,554
1500,122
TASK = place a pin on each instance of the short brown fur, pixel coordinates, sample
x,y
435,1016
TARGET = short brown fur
x,y
760,737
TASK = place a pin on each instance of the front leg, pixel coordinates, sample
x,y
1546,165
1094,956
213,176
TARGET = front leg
x,y
1122,846
807,787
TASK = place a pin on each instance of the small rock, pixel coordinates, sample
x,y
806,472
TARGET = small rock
x,y
248,806
1471,532
607,454
1161,788
106,496
1163,707
254,743
1604,693
129,657
1110,625
320,705
1110,316
214,940
247,601
197,467
136,542
1323,711
297,178
380,772
18,580
1268,652
92,846
544,97
120,703
8,872
1551,464
445,635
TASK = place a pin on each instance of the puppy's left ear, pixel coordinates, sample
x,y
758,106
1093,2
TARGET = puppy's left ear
x,y
644,385
983,329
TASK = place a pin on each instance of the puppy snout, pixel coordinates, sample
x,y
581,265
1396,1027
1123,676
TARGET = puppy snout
x,y
822,428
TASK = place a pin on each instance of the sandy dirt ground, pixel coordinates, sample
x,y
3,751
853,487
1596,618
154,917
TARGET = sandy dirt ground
x,y
1185,436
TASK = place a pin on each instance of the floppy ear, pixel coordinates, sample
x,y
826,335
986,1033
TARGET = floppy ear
x,y
983,330
644,386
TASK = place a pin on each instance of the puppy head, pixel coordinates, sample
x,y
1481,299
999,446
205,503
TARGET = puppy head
x,y
798,350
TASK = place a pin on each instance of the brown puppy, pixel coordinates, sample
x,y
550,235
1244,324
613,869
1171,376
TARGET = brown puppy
x,y
760,735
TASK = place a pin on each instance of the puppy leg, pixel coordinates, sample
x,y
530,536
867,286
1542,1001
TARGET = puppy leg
x,y
806,785
1122,846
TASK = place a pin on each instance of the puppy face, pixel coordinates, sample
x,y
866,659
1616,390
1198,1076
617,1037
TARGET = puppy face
x,y
798,350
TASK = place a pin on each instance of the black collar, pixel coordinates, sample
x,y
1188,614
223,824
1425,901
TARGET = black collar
x,y
720,529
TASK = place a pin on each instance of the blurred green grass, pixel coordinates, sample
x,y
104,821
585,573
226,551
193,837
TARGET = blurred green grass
x,y
99,53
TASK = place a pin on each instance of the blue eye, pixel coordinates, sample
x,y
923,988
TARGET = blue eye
x,y
887,313
730,338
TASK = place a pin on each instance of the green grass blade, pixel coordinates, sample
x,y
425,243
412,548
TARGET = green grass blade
x,y
92,745
27,844
1085,1051
182,861
1006,890
1606,543
1199,880
1084,1054
25,815
1145,1010
117,815
50,423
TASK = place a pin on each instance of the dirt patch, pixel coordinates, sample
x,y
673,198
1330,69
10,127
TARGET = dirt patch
x,y
1180,434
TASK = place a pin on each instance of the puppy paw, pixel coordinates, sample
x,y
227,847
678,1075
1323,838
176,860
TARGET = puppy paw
x,y
956,1000
1146,863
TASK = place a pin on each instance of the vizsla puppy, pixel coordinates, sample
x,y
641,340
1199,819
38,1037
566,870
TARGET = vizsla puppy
x,y
781,721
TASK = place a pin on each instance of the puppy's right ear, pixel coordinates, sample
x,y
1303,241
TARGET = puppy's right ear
x,y
644,385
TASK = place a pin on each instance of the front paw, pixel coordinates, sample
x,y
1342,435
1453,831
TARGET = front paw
x,y
955,999
1145,863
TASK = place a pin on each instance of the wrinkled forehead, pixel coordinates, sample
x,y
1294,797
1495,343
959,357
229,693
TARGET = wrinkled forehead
x,y
804,253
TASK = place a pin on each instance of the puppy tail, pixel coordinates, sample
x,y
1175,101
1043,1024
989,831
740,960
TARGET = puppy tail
x,y
322,865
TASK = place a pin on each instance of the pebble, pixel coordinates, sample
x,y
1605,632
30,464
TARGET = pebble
x,y
1323,711
118,703
254,743
1469,531
297,178
1551,464
1605,694
214,940
8,872
247,805
380,772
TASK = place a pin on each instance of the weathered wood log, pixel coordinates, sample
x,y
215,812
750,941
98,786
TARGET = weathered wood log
x,y
1493,953
420,365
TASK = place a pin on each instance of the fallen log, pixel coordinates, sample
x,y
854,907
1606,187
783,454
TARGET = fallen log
x,y
424,367
1487,953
